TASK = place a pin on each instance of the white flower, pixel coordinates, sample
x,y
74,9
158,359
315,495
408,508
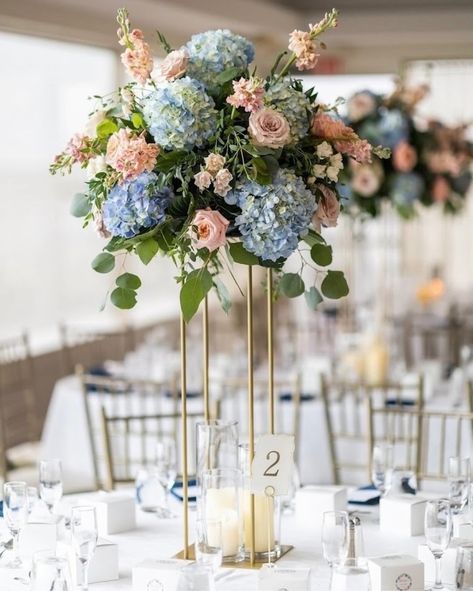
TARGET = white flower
x,y
324,150
318,170
336,161
96,165
332,173
94,120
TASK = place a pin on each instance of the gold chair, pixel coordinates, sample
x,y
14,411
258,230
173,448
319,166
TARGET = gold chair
x,y
438,435
121,397
345,419
129,442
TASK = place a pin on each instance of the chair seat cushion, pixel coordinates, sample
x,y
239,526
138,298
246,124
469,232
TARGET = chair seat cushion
x,y
23,455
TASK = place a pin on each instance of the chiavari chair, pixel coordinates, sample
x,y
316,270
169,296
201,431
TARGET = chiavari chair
x,y
122,397
129,441
19,426
344,407
439,435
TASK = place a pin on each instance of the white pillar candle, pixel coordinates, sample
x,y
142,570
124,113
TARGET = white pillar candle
x,y
222,505
264,522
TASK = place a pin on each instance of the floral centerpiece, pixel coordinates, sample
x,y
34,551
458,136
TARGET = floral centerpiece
x,y
429,163
201,160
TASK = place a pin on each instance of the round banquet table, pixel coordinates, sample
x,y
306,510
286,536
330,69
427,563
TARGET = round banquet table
x,y
160,538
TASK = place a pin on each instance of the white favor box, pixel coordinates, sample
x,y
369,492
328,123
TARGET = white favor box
x,y
313,501
40,535
116,513
274,578
396,573
402,515
448,562
463,527
156,575
103,565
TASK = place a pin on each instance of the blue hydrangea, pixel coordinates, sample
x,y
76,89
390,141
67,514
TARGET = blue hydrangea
x,y
406,188
214,52
393,127
180,114
294,105
135,205
273,217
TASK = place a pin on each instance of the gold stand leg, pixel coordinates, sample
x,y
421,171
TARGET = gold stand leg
x,y
270,320
185,476
205,359
251,404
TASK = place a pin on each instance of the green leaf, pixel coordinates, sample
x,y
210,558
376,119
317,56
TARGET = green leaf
x,y
193,291
262,174
228,74
168,160
80,205
223,295
334,286
291,285
106,128
240,255
312,237
272,164
147,250
103,263
123,298
321,254
115,244
128,281
313,298
137,120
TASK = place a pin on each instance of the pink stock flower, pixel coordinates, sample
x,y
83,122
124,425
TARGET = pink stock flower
x,y
247,94
137,57
222,182
174,64
203,179
130,155
343,137
304,48
404,157
328,209
210,227
440,189
76,146
268,127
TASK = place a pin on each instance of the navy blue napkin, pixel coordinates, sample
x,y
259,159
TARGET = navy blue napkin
x,y
372,501
176,490
287,397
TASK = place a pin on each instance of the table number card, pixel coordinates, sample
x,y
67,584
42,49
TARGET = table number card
x,y
273,465
274,578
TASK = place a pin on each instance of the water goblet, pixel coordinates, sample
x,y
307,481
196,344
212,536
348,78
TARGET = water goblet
x,y
166,467
15,510
50,572
382,467
459,477
438,533
50,482
209,542
84,537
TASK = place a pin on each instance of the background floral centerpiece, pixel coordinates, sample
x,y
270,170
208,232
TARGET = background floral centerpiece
x,y
203,161
430,162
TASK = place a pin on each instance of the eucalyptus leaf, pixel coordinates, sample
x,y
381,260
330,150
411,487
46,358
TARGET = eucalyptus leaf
x,y
147,250
240,255
80,205
312,237
321,254
193,291
313,298
223,295
291,285
128,281
123,298
103,262
227,75
334,285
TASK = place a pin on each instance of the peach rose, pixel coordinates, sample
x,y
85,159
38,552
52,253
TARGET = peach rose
x,y
440,190
222,182
404,157
214,163
328,209
268,127
203,179
174,65
210,227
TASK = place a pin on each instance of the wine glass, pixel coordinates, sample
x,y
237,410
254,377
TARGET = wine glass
x,y
166,467
50,482
459,482
15,509
33,498
382,467
84,538
50,572
335,530
438,532
209,542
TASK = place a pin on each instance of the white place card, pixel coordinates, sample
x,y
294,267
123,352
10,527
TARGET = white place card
x,y
396,573
463,526
116,513
313,501
39,535
103,565
275,578
156,575
273,465
402,515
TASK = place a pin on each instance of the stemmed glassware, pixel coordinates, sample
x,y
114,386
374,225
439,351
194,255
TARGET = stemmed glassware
x,y
15,510
382,467
50,482
84,538
209,542
50,572
438,532
464,568
166,468
459,477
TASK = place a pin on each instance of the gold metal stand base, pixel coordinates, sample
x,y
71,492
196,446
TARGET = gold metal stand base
x,y
242,564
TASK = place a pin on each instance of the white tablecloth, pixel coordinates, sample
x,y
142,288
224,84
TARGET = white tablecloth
x,y
155,538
